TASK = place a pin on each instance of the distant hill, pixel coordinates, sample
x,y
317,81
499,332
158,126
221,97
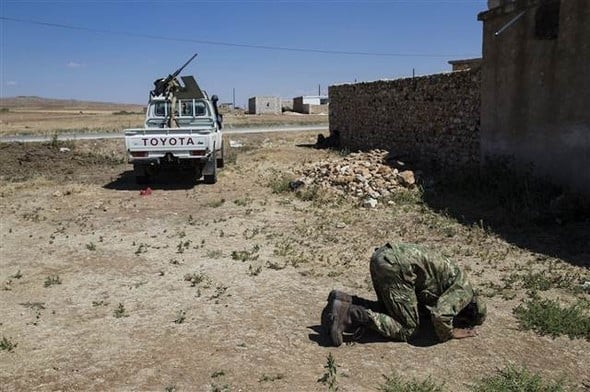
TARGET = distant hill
x,y
39,103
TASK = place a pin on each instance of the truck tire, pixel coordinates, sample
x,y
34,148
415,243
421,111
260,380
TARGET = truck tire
x,y
141,174
142,180
211,178
198,172
220,159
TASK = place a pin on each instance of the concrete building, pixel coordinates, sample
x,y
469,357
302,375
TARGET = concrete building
x,y
287,105
226,106
264,105
535,107
311,104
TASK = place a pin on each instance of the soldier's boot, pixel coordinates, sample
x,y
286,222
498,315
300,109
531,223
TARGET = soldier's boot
x,y
356,329
355,300
345,316
338,320
334,295
327,311
341,295
360,319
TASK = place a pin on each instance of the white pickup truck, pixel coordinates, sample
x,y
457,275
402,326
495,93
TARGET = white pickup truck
x,y
181,131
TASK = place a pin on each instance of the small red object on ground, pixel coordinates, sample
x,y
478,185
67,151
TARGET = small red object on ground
x,y
145,192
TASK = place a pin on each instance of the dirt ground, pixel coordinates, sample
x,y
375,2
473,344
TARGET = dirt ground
x,y
220,287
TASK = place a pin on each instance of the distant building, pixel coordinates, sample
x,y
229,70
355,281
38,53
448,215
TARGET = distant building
x,y
535,87
226,106
311,104
264,105
463,65
287,105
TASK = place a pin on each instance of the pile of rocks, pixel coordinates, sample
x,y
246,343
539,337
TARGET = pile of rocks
x,y
364,176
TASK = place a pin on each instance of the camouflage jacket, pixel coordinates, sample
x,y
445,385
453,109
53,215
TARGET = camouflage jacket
x,y
406,275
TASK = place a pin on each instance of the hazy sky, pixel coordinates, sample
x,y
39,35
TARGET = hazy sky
x,y
114,50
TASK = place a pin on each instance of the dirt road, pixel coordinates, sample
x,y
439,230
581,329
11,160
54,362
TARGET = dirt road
x,y
220,287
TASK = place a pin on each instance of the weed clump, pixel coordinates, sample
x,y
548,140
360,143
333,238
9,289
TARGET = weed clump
x,y
512,379
52,280
245,255
330,377
120,311
394,383
266,377
279,183
180,317
195,279
7,344
547,317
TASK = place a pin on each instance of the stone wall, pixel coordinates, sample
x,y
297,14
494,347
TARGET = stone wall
x,y
431,119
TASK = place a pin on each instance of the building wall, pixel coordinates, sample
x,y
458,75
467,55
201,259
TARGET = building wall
x,y
298,105
310,104
316,109
536,92
287,104
264,105
433,119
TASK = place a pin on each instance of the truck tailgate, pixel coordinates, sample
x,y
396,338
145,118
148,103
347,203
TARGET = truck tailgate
x,y
177,139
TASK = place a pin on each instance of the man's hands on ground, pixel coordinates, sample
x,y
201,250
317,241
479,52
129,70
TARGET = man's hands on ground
x,y
461,333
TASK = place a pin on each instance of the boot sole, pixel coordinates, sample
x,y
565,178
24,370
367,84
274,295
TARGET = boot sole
x,y
335,331
339,295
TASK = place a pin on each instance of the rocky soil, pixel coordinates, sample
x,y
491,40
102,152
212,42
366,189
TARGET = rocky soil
x,y
194,287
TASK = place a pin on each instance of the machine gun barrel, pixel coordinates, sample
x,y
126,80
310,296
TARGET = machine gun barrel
x,y
179,70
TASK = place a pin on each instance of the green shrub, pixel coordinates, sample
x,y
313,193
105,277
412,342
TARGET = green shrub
x,y
512,379
7,344
406,196
279,183
52,280
547,317
394,383
309,193
330,376
120,311
245,255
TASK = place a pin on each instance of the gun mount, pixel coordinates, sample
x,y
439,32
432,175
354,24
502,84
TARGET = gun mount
x,y
169,85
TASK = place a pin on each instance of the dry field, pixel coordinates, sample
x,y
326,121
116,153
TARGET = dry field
x,y
29,116
220,287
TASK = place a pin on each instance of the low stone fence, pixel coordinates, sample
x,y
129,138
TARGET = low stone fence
x,y
430,119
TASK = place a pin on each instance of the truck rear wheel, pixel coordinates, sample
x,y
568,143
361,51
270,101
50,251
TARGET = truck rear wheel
x,y
141,174
198,172
211,178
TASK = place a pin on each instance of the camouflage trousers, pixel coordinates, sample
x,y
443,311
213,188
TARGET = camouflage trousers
x,y
397,316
